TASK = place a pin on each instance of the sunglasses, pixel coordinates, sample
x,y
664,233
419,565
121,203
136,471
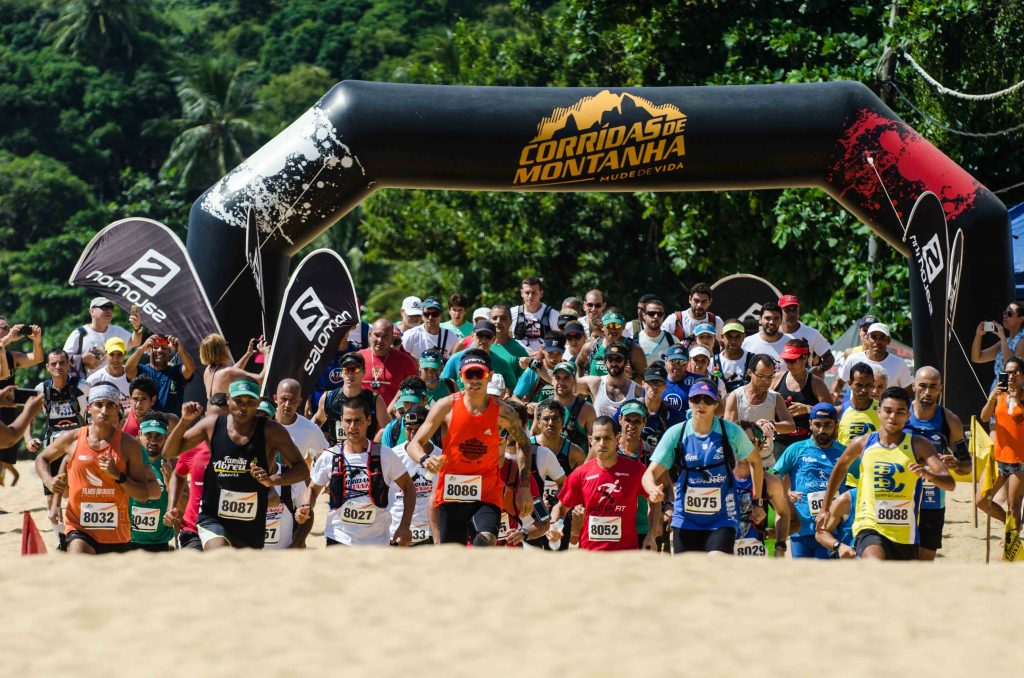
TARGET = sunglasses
x,y
352,369
486,336
589,305
1009,313
614,359
431,314
614,326
703,400
573,336
656,314
474,374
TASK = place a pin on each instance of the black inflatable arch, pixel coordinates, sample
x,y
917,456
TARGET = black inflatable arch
x,y
362,136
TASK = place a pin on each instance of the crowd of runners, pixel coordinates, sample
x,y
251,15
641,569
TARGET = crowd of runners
x,y
526,426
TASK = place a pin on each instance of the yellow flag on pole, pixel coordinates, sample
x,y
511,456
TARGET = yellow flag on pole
x,y
985,461
1013,548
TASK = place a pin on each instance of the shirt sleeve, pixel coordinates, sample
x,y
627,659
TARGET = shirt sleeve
x,y
553,318
450,367
547,464
320,474
505,370
784,466
719,324
669,324
525,384
407,340
570,494
665,452
72,343
820,344
741,444
391,465
184,462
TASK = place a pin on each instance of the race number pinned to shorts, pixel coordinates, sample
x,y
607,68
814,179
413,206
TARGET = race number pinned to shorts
x,y
604,528
272,532
504,526
895,512
145,519
360,511
99,516
420,532
237,505
815,500
750,547
550,492
705,501
463,488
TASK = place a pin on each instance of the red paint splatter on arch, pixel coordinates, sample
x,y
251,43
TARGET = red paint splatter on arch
x,y
907,163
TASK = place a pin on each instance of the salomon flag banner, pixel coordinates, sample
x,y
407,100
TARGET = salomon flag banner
x,y
741,296
255,262
140,262
927,238
319,309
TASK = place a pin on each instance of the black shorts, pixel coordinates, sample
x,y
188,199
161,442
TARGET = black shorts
x,y
893,550
460,523
151,548
212,528
9,455
930,523
721,539
99,548
189,540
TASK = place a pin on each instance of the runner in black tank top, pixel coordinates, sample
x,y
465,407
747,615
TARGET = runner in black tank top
x,y
228,486
806,396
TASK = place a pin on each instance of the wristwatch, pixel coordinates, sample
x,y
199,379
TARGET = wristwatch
x,y
525,532
835,546
423,460
759,502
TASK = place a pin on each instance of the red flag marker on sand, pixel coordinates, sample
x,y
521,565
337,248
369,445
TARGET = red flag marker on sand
x,y
31,541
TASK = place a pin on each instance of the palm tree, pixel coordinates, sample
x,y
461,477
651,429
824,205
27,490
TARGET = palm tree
x,y
215,132
96,29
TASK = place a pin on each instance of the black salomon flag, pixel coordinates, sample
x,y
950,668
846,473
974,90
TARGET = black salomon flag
x,y
927,236
319,309
140,262
741,296
255,261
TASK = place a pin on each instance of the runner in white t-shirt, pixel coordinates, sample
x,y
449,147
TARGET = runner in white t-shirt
x,y
877,353
682,323
114,371
423,522
358,475
430,335
533,319
87,342
770,341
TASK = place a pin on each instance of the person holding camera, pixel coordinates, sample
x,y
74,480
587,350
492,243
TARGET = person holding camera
x,y
1009,332
85,345
170,379
1006,405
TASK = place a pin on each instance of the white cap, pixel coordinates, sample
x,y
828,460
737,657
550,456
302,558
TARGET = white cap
x,y
496,386
700,350
879,327
482,312
100,301
411,306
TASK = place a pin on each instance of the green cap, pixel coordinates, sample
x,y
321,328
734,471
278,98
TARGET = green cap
x,y
633,407
410,395
244,387
612,317
565,366
267,408
430,360
153,426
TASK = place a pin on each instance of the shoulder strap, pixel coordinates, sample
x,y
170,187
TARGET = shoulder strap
x,y
730,456
679,326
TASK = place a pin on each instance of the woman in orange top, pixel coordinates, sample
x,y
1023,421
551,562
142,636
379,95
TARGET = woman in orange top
x,y
469,489
1008,406
104,467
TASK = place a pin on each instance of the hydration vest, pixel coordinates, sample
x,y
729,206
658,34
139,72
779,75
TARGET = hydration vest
x,y
339,477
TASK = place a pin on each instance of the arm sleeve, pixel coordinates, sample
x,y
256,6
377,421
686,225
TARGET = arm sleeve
x,y
741,444
665,452
570,494
547,464
525,384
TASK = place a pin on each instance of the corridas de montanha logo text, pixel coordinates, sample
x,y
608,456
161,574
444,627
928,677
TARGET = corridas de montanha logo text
x,y
604,138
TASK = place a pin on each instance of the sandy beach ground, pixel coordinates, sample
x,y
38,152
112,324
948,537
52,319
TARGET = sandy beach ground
x,y
449,611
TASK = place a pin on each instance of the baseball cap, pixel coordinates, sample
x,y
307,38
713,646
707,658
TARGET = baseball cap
x,y
656,373
566,317
482,312
824,411
565,366
793,353
703,328
633,407
471,359
700,350
703,387
415,415
243,387
430,360
412,306
353,358
574,327
867,320
496,386
618,348
115,344
267,407
612,318
879,327
430,302
554,342
677,352
485,326
153,426
788,300
410,395
734,327
98,302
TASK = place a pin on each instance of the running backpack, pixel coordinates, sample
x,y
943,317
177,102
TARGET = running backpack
x,y
339,475
679,328
679,467
519,331
569,430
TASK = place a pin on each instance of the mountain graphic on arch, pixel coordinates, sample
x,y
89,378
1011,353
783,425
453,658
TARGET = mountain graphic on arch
x,y
604,109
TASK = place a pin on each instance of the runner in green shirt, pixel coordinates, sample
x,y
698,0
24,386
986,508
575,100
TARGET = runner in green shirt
x,y
430,373
531,389
148,530
483,339
457,305
505,346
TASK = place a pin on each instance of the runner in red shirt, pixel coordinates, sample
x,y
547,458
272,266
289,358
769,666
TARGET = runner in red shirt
x,y
469,488
192,465
608,487
386,366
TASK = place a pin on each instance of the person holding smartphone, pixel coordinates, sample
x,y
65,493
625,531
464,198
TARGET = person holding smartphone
x,y
1006,405
1009,332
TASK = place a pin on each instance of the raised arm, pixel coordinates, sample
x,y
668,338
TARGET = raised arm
x,y
783,419
184,436
188,366
131,367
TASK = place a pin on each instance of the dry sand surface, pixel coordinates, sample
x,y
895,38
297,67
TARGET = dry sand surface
x,y
450,611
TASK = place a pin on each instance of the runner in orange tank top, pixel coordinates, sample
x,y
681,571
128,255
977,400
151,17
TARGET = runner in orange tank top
x,y
468,493
104,468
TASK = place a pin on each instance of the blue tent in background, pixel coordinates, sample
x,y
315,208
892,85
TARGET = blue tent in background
x,y
1017,230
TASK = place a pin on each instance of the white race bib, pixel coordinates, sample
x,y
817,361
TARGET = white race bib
x,y
750,547
815,500
237,505
894,512
550,491
99,515
360,511
705,501
504,526
604,528
145,519
463,488
272,532
420,532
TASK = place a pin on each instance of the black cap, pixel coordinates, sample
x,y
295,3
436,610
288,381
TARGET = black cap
x,y
867,320
576,327
656,373
353,358
618,348
485,326
554,342
415,415
474,358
